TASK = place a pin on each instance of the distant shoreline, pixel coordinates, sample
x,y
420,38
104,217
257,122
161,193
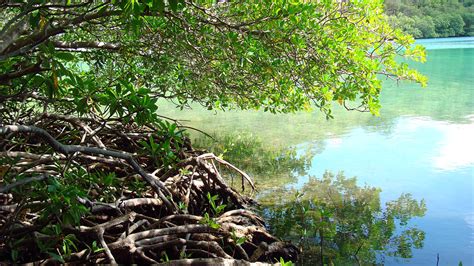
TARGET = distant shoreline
x,y
446,43
446,38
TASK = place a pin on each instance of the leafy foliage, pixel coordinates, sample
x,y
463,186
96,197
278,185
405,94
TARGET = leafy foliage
x,y
431,18
209,221
106,64
285,263
216,209
115,59
238,240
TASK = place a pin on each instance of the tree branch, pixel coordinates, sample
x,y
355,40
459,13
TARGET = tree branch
x,y
87,45
31,69
27,42
71,149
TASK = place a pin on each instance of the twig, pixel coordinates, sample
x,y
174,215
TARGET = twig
x,y
77,122
207,156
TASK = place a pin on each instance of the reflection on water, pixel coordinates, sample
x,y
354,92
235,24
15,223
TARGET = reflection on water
x,y
332,219
427,158
454,151
271,167
335,222
421,144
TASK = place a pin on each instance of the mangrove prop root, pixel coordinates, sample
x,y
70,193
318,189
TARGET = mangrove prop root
x,y
166,219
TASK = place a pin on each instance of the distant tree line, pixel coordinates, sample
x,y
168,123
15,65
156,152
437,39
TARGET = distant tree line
x,y
432,18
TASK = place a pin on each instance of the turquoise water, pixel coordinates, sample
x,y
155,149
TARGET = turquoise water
x,y
429,159
427,151
447,43
423,144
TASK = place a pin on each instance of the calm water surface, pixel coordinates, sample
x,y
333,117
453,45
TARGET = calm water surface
x,y
423,144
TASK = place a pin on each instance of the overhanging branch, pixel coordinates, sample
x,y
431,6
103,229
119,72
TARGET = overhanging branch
x,y
31,69
16,46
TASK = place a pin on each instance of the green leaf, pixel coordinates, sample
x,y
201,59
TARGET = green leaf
x,y
65,56
219,209
14,254
96,248
240,241
214,225
173,5
56,257
35,19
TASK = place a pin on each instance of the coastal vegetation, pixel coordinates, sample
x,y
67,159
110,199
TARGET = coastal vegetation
x,y
92,173
432,18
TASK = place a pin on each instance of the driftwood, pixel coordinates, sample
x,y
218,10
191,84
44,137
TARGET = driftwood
x,y
169,221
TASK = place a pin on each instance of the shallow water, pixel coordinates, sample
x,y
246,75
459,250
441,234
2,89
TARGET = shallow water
x,y
423,144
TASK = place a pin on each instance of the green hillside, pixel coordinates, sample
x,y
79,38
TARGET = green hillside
x,y
432,18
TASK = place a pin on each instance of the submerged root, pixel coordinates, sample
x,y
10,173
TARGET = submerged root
x,y
167,217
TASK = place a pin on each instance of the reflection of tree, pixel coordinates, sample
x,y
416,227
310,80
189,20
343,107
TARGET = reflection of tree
x,y
332,214
344,221
271,167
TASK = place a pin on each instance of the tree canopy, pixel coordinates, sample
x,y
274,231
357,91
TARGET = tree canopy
x,y
91,172
117,58
432,18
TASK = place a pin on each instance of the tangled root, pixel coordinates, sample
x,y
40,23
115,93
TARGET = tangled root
x,y
172,220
